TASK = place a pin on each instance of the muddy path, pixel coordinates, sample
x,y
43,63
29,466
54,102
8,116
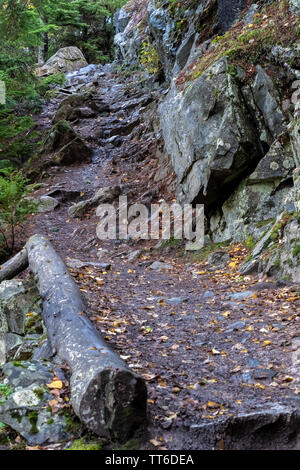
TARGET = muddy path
x,y
218,351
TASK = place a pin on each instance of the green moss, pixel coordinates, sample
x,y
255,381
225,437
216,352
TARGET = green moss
x,y
19,364
5,391
16,415
50,421
296,251
33,324
82,444
171,242
73,424
263,223
249,258
33,417
39,392
250,242
202,254
248,44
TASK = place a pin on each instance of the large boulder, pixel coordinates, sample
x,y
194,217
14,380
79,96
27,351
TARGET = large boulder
x,y
66,145
79,105
209,135
66,59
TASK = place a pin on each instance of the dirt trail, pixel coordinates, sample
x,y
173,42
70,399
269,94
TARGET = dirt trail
x,y
207,357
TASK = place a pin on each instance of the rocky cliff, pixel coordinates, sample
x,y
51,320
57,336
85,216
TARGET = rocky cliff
x,y
230,120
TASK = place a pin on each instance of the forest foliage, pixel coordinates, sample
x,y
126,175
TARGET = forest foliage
x,y
29,29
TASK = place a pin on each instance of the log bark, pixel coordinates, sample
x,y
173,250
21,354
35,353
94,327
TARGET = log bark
x,y
14,266
105,394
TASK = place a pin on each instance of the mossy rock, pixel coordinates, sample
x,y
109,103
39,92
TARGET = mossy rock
x,y
82,444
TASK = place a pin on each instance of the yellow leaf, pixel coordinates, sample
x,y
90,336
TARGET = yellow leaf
x,y
226,314
155,442
215,351
212,404
164,338
55,384
258,385
267,342
232,265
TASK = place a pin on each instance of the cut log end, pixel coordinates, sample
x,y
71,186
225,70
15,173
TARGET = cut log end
x,y
114,404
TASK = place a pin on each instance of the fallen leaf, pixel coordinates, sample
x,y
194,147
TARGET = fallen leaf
x,y
56,384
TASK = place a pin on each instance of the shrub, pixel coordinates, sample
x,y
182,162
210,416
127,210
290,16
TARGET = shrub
x,y
14,207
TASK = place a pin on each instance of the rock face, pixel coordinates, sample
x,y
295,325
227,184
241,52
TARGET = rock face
x,y
208,133
66,59
19,315
232,133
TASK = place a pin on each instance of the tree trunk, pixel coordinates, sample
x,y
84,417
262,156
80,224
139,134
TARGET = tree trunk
x,y
14,266
105,394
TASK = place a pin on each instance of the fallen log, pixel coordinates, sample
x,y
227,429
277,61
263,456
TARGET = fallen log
x,y
105,394
14,266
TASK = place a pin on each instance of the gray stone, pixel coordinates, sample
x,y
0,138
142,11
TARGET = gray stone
x,y
121,20
12,344
103,195
208,134
66,145
208,295
228,12
249,16
66,59
77,264
176,300
277,164
239,325
218,259
249,267
134,255
252,208
47,204
27,373
25,408
239,296
267,100
158,265
15,303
